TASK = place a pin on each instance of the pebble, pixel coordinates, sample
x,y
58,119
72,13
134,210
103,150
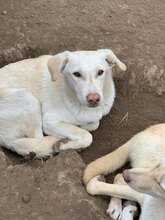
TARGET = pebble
x,y
10,168
4,12
84,12
26,198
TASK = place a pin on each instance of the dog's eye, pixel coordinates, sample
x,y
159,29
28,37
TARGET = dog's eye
x,y
77,74
100,72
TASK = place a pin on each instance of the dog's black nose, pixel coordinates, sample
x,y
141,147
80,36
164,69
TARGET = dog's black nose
x,y
126,176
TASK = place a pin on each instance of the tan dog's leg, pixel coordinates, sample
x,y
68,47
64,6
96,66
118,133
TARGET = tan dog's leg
x,y
95,187
115,209
115,206
129,211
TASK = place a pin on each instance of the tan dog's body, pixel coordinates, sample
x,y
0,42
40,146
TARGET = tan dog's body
x,y
146,179
65,95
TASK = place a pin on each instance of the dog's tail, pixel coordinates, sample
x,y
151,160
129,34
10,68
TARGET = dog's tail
x,y
108,163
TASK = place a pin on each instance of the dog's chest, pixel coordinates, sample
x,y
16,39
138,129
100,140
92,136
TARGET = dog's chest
x,y
78,118
152,209
85,117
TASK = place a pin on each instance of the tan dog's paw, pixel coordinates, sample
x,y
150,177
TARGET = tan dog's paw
x,y
101,178
93,184
114,210
130,210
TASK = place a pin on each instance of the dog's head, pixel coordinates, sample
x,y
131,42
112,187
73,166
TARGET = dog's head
x,y
147,180
85,72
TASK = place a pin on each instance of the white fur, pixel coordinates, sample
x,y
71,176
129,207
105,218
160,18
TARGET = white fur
x,y
32,104
128,212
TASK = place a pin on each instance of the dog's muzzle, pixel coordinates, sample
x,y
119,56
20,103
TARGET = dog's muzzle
x,y
126,176
93,99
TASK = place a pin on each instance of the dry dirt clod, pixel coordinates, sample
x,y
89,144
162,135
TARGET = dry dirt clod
x,y
26,198
4,12
10,168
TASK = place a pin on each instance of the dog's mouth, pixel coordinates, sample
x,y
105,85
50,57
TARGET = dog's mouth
x,y
93,105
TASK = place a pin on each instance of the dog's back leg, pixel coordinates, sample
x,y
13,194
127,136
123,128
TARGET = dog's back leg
x,y
21,124
42,147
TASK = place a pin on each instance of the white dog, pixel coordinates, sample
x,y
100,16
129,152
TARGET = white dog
x,y
64,95
146,150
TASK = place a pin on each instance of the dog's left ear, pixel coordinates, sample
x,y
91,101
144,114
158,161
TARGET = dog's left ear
x,y
57,63
111,58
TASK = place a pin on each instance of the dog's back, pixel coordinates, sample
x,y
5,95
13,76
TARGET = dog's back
x,y
25,74
148,146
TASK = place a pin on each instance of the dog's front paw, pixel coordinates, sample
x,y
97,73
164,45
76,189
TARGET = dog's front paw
x,y
101,178
93,185
57,145
130,210
114,210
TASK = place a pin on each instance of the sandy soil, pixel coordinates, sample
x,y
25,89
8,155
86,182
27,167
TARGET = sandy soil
x,y
135,30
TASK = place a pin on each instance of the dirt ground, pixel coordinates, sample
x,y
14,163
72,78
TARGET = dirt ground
x,y
135,30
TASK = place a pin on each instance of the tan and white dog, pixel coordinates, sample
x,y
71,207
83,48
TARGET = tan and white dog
x,y
62,96
145,181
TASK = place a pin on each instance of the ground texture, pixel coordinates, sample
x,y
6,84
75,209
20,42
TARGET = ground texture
x,y
135,30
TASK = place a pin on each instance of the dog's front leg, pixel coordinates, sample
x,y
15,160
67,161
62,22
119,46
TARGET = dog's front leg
x,y
115,206
96,187
115,209
91,126
76,138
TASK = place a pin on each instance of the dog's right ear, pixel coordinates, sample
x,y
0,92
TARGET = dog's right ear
x,y
112,59
57,63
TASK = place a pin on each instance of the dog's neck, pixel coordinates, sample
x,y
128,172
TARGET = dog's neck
x,y
81,112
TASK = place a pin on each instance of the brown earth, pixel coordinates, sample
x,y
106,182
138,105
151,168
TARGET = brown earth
x,y
135,30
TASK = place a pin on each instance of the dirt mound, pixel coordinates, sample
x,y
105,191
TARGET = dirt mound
x,y
53,190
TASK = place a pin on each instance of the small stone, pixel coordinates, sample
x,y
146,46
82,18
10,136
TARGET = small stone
x,y
10,168
4,12
26,198
84,12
